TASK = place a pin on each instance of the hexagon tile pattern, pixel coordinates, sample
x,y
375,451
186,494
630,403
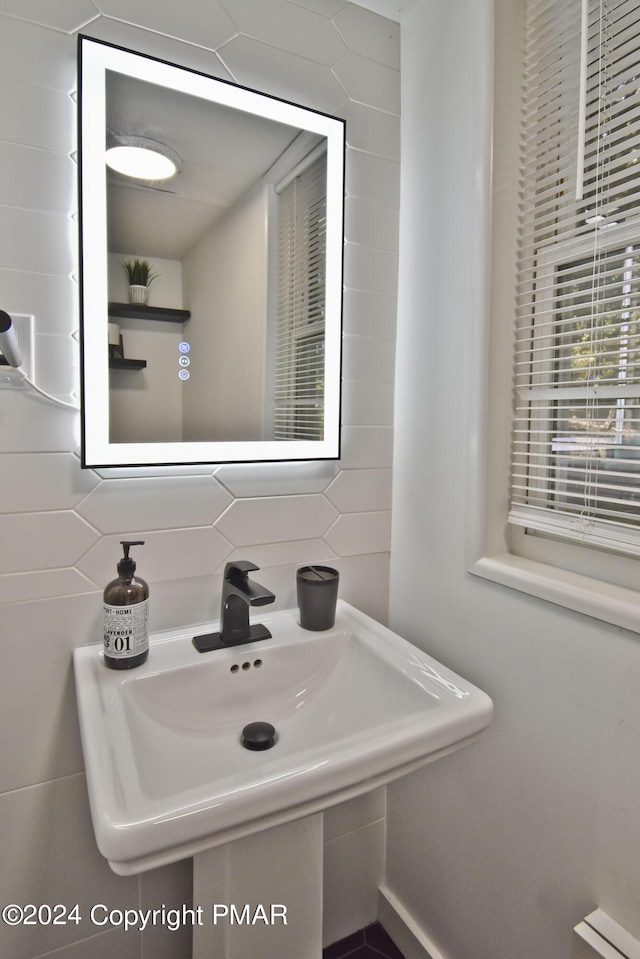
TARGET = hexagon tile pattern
x,y
65,524
60,526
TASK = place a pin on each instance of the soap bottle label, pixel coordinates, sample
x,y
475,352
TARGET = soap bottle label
x,y
125,630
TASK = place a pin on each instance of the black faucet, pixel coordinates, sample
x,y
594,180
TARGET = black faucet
x,y
238,594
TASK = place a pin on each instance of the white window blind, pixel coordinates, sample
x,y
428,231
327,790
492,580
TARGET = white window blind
x,y
576,440
299,360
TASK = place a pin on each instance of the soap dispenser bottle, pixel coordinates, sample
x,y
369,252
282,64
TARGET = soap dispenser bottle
x,y
126,607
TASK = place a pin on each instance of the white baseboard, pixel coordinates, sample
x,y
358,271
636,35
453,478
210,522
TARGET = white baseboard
x,y
410,937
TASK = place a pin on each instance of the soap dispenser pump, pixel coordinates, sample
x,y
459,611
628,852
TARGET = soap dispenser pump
x,y
126,609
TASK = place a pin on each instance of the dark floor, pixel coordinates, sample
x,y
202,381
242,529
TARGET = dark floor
x,y
369,943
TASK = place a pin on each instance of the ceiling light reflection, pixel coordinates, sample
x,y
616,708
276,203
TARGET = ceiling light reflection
x,y
142,158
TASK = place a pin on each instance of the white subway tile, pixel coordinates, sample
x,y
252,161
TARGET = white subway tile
x,y
367,404
33,179
371,270
169,48
163,472
43,540
47,583
161,942
52,300
169,884
326,8
206,25
36,116
369,359
30,424
370,35
67,15
366,447
360,533
167,555
35,54
372,130
106,945
42,481
354,814
371,223
176,602
353,866
57,365
368,82
370,314
262,479
154,503
364,582
281,519
38,639
373,177
37,242
282,74
361,490
286,26
48,839
294,553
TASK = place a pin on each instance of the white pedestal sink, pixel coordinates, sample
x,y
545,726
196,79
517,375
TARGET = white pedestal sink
x,y
353,707
263,894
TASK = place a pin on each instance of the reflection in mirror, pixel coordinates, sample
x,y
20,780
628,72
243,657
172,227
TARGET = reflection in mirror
x,y
235,354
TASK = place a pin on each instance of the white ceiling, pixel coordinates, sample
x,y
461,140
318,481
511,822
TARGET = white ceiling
x,y
224,153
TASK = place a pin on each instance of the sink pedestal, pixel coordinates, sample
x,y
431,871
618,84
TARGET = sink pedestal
x,y
271,887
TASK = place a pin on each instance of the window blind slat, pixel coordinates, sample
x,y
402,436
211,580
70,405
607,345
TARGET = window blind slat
x,y
299,360
576,434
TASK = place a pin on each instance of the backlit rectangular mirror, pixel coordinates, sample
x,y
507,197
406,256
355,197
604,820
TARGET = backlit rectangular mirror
x,y
232,351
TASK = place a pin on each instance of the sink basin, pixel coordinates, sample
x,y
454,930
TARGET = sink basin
x,y
352,707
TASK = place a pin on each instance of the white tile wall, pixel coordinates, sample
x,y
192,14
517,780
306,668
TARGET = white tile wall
x,y
367,404
353,871
356,490
60,526
374,37
288,27
354,863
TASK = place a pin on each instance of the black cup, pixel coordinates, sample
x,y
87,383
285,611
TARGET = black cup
x,y
317,588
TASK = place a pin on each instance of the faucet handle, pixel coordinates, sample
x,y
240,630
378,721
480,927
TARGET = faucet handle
x,y
238,593
236,579
238,567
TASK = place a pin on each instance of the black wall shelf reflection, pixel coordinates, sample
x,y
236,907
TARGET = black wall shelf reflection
x,y
115,363
136,311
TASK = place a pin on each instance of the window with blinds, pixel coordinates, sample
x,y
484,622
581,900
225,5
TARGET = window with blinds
x,y
300,355
576,439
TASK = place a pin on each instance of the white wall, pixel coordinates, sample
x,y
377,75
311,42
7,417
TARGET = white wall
x,y
500,849
145,405
60,526
227,296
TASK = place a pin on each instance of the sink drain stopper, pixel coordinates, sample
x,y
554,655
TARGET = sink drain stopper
x,y
258,736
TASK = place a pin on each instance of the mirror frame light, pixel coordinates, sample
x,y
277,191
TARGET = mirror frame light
x,y
95,58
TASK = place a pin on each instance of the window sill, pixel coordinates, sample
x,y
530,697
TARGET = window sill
x,y
611,604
